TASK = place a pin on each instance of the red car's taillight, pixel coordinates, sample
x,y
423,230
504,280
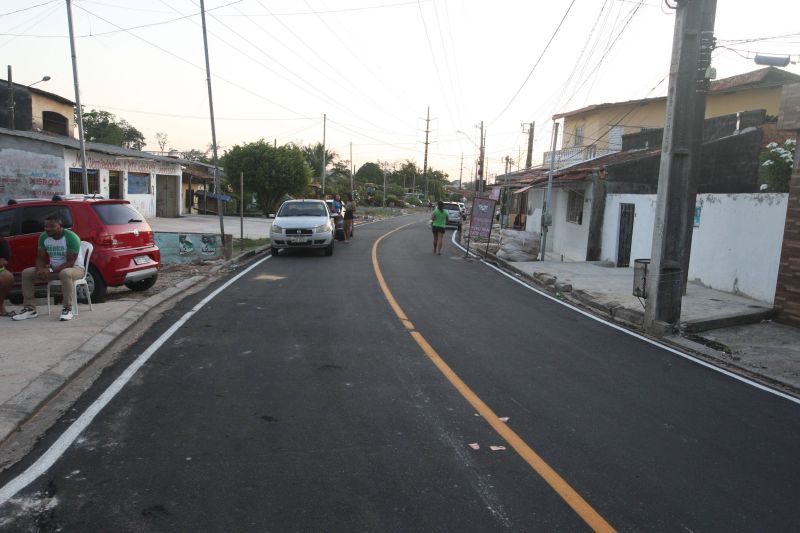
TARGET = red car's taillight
x,y
104,239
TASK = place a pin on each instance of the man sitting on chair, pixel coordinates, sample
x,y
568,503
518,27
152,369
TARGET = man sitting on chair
x,y
58,258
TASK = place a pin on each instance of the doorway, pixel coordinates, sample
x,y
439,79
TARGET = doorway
x,y
627,213
167,196
115,184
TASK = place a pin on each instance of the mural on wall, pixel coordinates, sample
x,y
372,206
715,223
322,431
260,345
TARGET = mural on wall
x,y
179,248
25,174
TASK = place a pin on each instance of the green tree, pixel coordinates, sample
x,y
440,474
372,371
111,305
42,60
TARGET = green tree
x,y
104,127
269,172
370,172
313,156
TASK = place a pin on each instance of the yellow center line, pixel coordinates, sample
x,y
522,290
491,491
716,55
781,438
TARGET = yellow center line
x,y
550,476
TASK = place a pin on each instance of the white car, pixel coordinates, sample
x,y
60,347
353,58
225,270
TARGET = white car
x,y
454,214
302,224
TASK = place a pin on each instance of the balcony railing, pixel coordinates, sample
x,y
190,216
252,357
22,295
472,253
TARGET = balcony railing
x,y
576,154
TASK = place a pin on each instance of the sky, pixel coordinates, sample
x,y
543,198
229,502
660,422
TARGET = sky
x,y
372,67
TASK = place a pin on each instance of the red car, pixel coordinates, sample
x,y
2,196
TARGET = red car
x,y
124,250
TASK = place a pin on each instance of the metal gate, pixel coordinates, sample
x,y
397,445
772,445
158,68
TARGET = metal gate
x,y
626,216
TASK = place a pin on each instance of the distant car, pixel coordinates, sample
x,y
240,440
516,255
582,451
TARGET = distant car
x,y
302,224
124,253
454,215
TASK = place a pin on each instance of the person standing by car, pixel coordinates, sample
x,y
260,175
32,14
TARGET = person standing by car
x,y
438,223
349,212
58,258
6,277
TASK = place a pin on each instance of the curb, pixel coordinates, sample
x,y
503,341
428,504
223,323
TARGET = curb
x,y
22,407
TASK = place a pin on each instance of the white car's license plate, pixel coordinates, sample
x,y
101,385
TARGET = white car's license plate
x,y
298,239
141,259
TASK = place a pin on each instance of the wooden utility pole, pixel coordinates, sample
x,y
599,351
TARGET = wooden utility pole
x,y
529,158
425,162
692,44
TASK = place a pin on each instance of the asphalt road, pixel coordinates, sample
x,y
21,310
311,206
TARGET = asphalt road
x,y
297,400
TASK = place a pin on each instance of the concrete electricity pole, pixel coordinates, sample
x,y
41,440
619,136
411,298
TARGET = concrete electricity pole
x,y
461,171
322,163
217,188
482,160
529,158
680,163
425,162
78,107
547,216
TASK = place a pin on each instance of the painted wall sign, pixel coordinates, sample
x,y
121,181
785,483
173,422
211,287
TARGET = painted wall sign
x,y
179,248
123,163
27,174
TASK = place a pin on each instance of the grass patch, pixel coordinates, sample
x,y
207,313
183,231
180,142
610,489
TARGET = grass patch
x,y
249,244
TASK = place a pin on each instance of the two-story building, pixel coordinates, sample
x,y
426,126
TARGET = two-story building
x,y
597,130
37,110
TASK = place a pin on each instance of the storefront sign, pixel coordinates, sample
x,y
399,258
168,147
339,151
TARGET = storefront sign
x,y
25,174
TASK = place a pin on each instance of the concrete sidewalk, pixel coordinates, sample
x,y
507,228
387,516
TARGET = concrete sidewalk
x,y
725,328
254,228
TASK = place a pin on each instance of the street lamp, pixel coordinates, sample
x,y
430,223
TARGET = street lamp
x,y
45,78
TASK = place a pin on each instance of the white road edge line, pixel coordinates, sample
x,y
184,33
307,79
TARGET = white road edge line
x,y
634,334
66,439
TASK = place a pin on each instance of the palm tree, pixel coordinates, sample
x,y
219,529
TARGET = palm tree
x,y
313,155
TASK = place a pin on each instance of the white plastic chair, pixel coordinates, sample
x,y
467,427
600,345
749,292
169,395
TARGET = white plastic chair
x,y
86,251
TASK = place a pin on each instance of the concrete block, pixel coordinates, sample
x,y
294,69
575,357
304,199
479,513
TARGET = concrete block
x,y
563,287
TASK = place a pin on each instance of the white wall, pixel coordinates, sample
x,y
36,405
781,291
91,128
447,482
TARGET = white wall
x,y
643,222
570,239
736,247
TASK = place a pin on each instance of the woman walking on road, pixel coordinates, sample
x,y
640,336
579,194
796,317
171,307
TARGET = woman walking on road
x,y
438,223
349,211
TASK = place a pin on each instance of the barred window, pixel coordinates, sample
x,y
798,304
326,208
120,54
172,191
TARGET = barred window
x,y
575,207
76,181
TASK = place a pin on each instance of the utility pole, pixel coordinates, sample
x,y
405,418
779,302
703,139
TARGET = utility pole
x,y
461,171
79,109
481,161
546,214
213,126
693,41
529,159
322,162
10,100
425,162
352,166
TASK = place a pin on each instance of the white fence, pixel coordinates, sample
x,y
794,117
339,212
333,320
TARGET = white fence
x,y
736,243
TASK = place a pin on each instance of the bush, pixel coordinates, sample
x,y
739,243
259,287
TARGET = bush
x,y
776,165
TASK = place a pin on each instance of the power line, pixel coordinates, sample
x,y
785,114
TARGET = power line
x,y
184,60
528,77
28,8
435,64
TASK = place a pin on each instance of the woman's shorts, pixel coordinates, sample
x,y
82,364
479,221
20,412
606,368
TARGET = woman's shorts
x,y
437,229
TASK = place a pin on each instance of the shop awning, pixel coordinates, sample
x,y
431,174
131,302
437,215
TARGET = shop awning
x,y
522,190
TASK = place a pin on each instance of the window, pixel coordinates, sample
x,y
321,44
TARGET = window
x,y
578,137
615,138
114,214
138,183
33,217
575,207
53,122
76,181
6,219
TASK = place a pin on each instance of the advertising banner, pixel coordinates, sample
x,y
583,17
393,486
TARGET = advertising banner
x,y
482,217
